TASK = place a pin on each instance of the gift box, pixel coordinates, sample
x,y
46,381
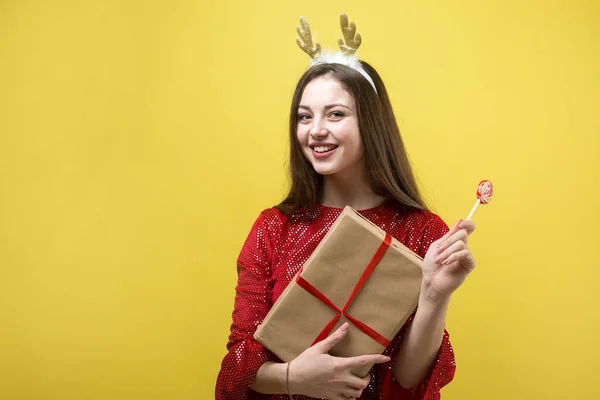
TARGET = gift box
x,y
357,274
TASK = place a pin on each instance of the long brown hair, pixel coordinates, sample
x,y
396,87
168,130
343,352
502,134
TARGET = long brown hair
x,y
386,161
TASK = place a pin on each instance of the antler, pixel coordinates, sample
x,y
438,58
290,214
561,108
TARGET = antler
x,y
349,30
305,39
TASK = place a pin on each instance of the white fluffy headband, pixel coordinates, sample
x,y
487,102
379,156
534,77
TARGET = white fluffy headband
x,y
348,46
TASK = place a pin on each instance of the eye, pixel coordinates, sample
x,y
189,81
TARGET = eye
x,y
303,117
337,115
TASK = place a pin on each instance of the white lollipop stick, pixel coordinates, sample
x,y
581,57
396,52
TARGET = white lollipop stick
x,y
473,209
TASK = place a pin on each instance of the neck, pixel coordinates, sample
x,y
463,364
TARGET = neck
x,y
351,188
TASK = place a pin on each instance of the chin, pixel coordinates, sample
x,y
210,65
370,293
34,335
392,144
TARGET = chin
x,y
325,171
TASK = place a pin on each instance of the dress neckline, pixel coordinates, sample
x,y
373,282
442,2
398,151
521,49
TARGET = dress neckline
x,y
374,208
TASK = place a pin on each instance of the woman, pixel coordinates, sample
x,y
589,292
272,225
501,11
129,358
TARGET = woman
x,y
346,149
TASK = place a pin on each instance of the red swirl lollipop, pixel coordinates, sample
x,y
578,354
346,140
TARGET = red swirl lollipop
x,y
485,191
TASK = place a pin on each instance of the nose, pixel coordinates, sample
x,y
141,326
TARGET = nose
x,y
318,130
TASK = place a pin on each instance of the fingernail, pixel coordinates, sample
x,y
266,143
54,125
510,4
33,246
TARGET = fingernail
x,y
345,326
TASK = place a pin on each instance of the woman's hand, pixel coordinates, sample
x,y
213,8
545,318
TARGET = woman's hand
x,y
448,262
315,373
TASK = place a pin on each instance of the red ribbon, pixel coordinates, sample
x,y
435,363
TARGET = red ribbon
x,y
363,327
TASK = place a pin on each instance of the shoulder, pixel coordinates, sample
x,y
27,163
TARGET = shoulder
x,y
271,215
271,219
429,223
418,220
430,220
429,227
417,229
263,238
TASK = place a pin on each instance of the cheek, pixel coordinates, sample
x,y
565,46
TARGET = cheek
x,y
302,133
360,145
357,150
352,137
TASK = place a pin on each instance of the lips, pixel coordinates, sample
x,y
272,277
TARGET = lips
x,y
323,150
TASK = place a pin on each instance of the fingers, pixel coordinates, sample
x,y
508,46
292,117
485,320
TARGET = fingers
x,y
464,256
328,343
468,225
451,232
453,248
456,233
359,383
352,393
366,359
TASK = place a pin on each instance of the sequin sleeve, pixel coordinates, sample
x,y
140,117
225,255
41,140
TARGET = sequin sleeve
x,y
442,371
251,305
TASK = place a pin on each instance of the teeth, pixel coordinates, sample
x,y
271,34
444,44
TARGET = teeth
x,y
323,149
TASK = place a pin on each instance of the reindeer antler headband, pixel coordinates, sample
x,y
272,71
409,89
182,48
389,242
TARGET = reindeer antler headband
x,y
348,47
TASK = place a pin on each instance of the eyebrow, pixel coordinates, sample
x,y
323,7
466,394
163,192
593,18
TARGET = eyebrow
x,y
327,107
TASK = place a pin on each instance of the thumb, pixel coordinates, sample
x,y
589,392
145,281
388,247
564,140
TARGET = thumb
x,y
328,343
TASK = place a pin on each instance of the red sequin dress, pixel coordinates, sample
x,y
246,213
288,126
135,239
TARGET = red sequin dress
x,y
276,248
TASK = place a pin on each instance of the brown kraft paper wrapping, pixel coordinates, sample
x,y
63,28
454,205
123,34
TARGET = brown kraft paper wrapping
x,y
384,303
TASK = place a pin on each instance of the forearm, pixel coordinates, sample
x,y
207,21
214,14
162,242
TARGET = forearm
x,y
270,378
421,342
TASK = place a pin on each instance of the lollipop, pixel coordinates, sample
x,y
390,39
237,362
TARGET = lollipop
x,y
485,191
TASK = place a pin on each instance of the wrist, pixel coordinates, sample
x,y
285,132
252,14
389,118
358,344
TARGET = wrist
x,y
287,385
292,383
431,298
270,378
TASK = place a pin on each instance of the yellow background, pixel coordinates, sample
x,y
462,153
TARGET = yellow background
x,y
139,140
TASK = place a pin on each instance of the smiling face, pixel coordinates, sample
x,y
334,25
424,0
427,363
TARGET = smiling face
x,y
373,140
327,128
